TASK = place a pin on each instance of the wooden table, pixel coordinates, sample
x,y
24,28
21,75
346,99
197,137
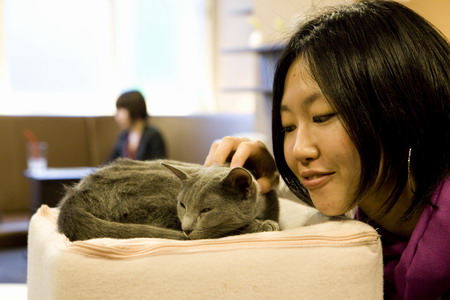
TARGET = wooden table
x,y
47,186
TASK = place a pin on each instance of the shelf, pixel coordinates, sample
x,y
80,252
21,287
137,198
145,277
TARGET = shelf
x,y
241,11
266,49
261,90
269,55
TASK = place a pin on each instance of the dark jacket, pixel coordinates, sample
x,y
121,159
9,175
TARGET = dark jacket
x,y
150,147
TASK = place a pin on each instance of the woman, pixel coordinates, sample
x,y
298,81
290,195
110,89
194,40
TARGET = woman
x,y
138,140
361,118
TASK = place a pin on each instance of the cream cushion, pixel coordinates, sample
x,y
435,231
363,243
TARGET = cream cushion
x,y
331,259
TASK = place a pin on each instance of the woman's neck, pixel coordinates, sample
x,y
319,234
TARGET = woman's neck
x,y
138,126
391,221
135,134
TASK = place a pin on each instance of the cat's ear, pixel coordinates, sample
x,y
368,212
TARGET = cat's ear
x,y
180,174
240,179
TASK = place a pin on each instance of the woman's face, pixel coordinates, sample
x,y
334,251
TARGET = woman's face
x,y
317,147
122,118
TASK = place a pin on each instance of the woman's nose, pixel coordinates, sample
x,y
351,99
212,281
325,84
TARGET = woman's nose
x,y
305,149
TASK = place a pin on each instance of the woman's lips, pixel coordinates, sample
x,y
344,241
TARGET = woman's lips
x,y
314,180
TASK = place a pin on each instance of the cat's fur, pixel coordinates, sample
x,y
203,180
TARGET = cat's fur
x,y
166,199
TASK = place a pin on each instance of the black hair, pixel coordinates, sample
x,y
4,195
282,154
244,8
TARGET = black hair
x,y
134,102
386,72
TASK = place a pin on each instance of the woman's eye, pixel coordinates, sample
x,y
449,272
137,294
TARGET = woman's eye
x,y
287,129
323,118
205,210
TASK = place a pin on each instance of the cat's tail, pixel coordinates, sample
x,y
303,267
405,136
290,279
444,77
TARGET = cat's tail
x,y
78,223
82,225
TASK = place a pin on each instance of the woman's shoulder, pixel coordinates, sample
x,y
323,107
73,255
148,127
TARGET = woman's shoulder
x,y
424,267
150,129
441,196
152,133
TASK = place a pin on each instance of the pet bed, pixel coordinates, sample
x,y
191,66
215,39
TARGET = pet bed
x,y
339,259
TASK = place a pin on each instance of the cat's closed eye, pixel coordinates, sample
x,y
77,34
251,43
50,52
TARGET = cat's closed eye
x,y
205,210
181,204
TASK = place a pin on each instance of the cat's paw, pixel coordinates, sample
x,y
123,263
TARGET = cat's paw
x,y
269,225
266,225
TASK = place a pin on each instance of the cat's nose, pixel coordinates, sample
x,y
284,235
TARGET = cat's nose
x,y
187,224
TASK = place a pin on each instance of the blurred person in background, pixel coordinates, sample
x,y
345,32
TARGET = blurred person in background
x,y
138,140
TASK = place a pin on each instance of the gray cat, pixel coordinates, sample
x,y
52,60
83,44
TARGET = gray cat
x,y
166,199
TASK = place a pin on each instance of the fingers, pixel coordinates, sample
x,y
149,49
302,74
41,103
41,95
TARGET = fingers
x,y
210,157
266,184
240,152
222,150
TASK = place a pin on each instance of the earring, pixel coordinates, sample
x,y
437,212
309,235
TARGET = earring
x,y
410,183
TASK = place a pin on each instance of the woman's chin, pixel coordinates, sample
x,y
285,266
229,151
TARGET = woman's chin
x,y
330,211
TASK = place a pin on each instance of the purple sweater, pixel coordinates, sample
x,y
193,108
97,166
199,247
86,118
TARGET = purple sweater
x,y
419,268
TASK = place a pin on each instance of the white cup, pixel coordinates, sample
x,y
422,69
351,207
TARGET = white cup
x,y
37,156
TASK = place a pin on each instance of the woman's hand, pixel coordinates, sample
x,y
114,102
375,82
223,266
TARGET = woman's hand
x,y
243,152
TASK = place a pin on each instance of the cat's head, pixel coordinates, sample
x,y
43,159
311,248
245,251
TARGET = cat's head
x,y
215,201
